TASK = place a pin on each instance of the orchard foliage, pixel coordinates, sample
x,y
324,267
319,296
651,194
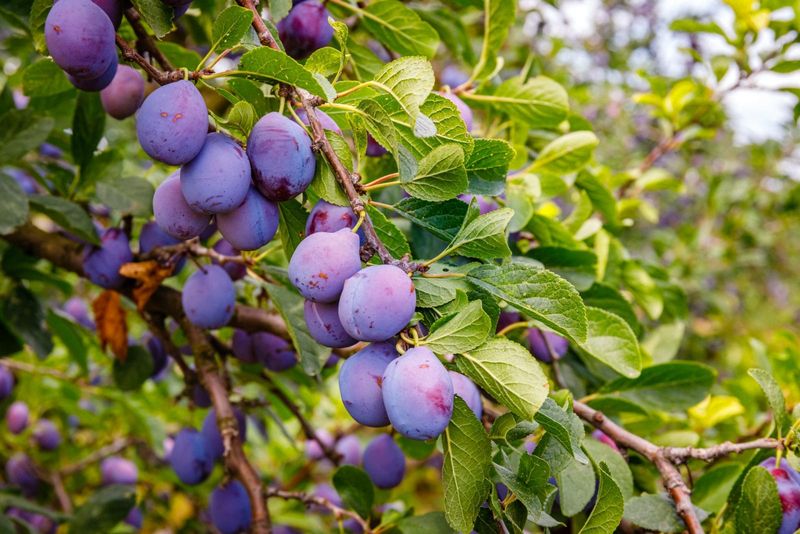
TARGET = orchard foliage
x,y
392,267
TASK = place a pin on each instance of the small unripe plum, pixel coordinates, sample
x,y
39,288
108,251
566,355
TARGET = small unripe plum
x,y
209,297
788,492
326,217
124,94
172,212
313,450
539,341
46,435
80,37
172,123
463,109
76,308
384,462
281,157
322,262
274,353
218,178
21,472
350,449
361,381
374,149
236,271
96,84
418,394
305,29
468,391
190,459
229,508
242,346
101,264
17,417
252,224
377,302
322,320
6,382
324,119
213,437
117,470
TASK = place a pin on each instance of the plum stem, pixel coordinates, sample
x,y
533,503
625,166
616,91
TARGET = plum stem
x,y
513,326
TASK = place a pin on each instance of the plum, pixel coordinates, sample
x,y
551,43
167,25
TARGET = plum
x,y
324,119
229,508
40,524
252,224
322,320
17,417
123,96
113,9
281,157
218,178
350,449
326,492
25,180
507,318
462,107
484,205
209,297
213,437
468,391
118,470
377,302
242,346
418,394
788,481
157,351
76,308
80,37
361,380
200,396
384,462
374,149
322,262
190,459
152,236
326,217
236,271
6,382
46,435
305,29
96,84
274,353
453,76
134,518
172,123
313,450
539,340
172,212
600,436
21,472
101,264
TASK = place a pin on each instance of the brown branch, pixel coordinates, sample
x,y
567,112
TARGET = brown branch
x,y
111,449
159,76
193,247
145,40
309,500
61,493
709,454
262,31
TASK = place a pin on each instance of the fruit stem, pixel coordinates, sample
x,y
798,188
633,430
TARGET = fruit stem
x,y
382,179
371,187
361,216
513,326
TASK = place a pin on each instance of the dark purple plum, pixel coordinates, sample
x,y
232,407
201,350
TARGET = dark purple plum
x,y
6,382
96,84
324,119
374,149
313,450
134,518
322,320
41,524
17,417
172,123
21,472
507,318
157,351
274,353
281,157
326,217
218,178
463,109
211,434
350,449
468,391
46,435
453,76
229,508
600,436
190,459
377,302
361,380
384,462
118,470
125,94
101,264
242,345
200,396
251,225
209,297
172,212
80,37
236,271
77,308
788,483
305,29
539,340
322,262
152,236
484,205
113,9
418,394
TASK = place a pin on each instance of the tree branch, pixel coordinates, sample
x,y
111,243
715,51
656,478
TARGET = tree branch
x,y
709,454
111,449
262,31
145,40
159,76
310,500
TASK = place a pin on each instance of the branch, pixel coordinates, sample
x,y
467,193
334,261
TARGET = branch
x,y
682,454
145,40
159,76
309,500
111,449
263,32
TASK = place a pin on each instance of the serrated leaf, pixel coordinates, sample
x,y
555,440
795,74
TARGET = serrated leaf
x,y
672,386
292,225
610,340
265,64
617,466
389,234
576,485
44,78
440,175
611,300
22,313
484,237
355,489
487,166
442,219
325,61
565,427
653,512
508,372
526,477
104,509
608,510
759,508
229,27
576,265
66,214
499,17
22,131
540,102
566,154
772,391
157,14
129,195
409,80
400,28
434,291
467,463
466,330
13,204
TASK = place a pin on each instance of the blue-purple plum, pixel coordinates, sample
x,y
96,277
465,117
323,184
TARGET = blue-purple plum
x,y
17,417
377,302
322,262
453,76
313,450
134,518
118,470
418,394
236,271
213,437
384,462
539,340
21,472
507,318
96,84
77,308
46,435
326,217
25,181
152,236
200,396
468,391
50,150
189,458
281,157
6,382
361,381
326,492
41,524
350,449
252,224
322,320
374,149
324,119
125,94
786,479
305,29
600,436
462,107
242,346
112,9
80,38
172,123
218,178
484,205
229,508
158,352
274,353
101,264
209,297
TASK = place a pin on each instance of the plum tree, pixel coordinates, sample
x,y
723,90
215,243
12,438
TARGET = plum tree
x,y
6,382
418,394
274,353
46,435
217,179
101,264
172,122
80,37
361,381
305,29
17,417
118,470
376,302
322,262
125,94
229,508
384,462
322,320
252,224
213,437
173,214
209,297
280,156
467,390
190,458
546,346
21,472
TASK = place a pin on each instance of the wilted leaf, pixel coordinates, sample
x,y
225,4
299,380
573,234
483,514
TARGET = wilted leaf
x,y
148,275
112,325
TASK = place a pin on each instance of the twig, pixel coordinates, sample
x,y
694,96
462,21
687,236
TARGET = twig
x,y
145,40
111,449
258,24
61,493
309,500
159,76
709,454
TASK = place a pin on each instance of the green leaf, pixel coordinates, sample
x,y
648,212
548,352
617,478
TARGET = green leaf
x,y
440,175
179,56
527,480
484,237
229,27
500,15
673,386
643,288
654,512
611,300
278,9
452,31
129,375
442,219
7,500
355,489
365,63
292,225
577,266
508,373
576,485
388,233
467,463
607,512
409,80
565,427
129,195
400,28
617,466
156,14
38,15
66,214
22,313
265,64
105,166
22,132
324,185
540,102
466,330
13,204
69,334
602,199
104,509
434,292
44,78
487,166
430,523
566,154
325,60
537,293
611,341
772,391
9,342
711,491
88,125
759,508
